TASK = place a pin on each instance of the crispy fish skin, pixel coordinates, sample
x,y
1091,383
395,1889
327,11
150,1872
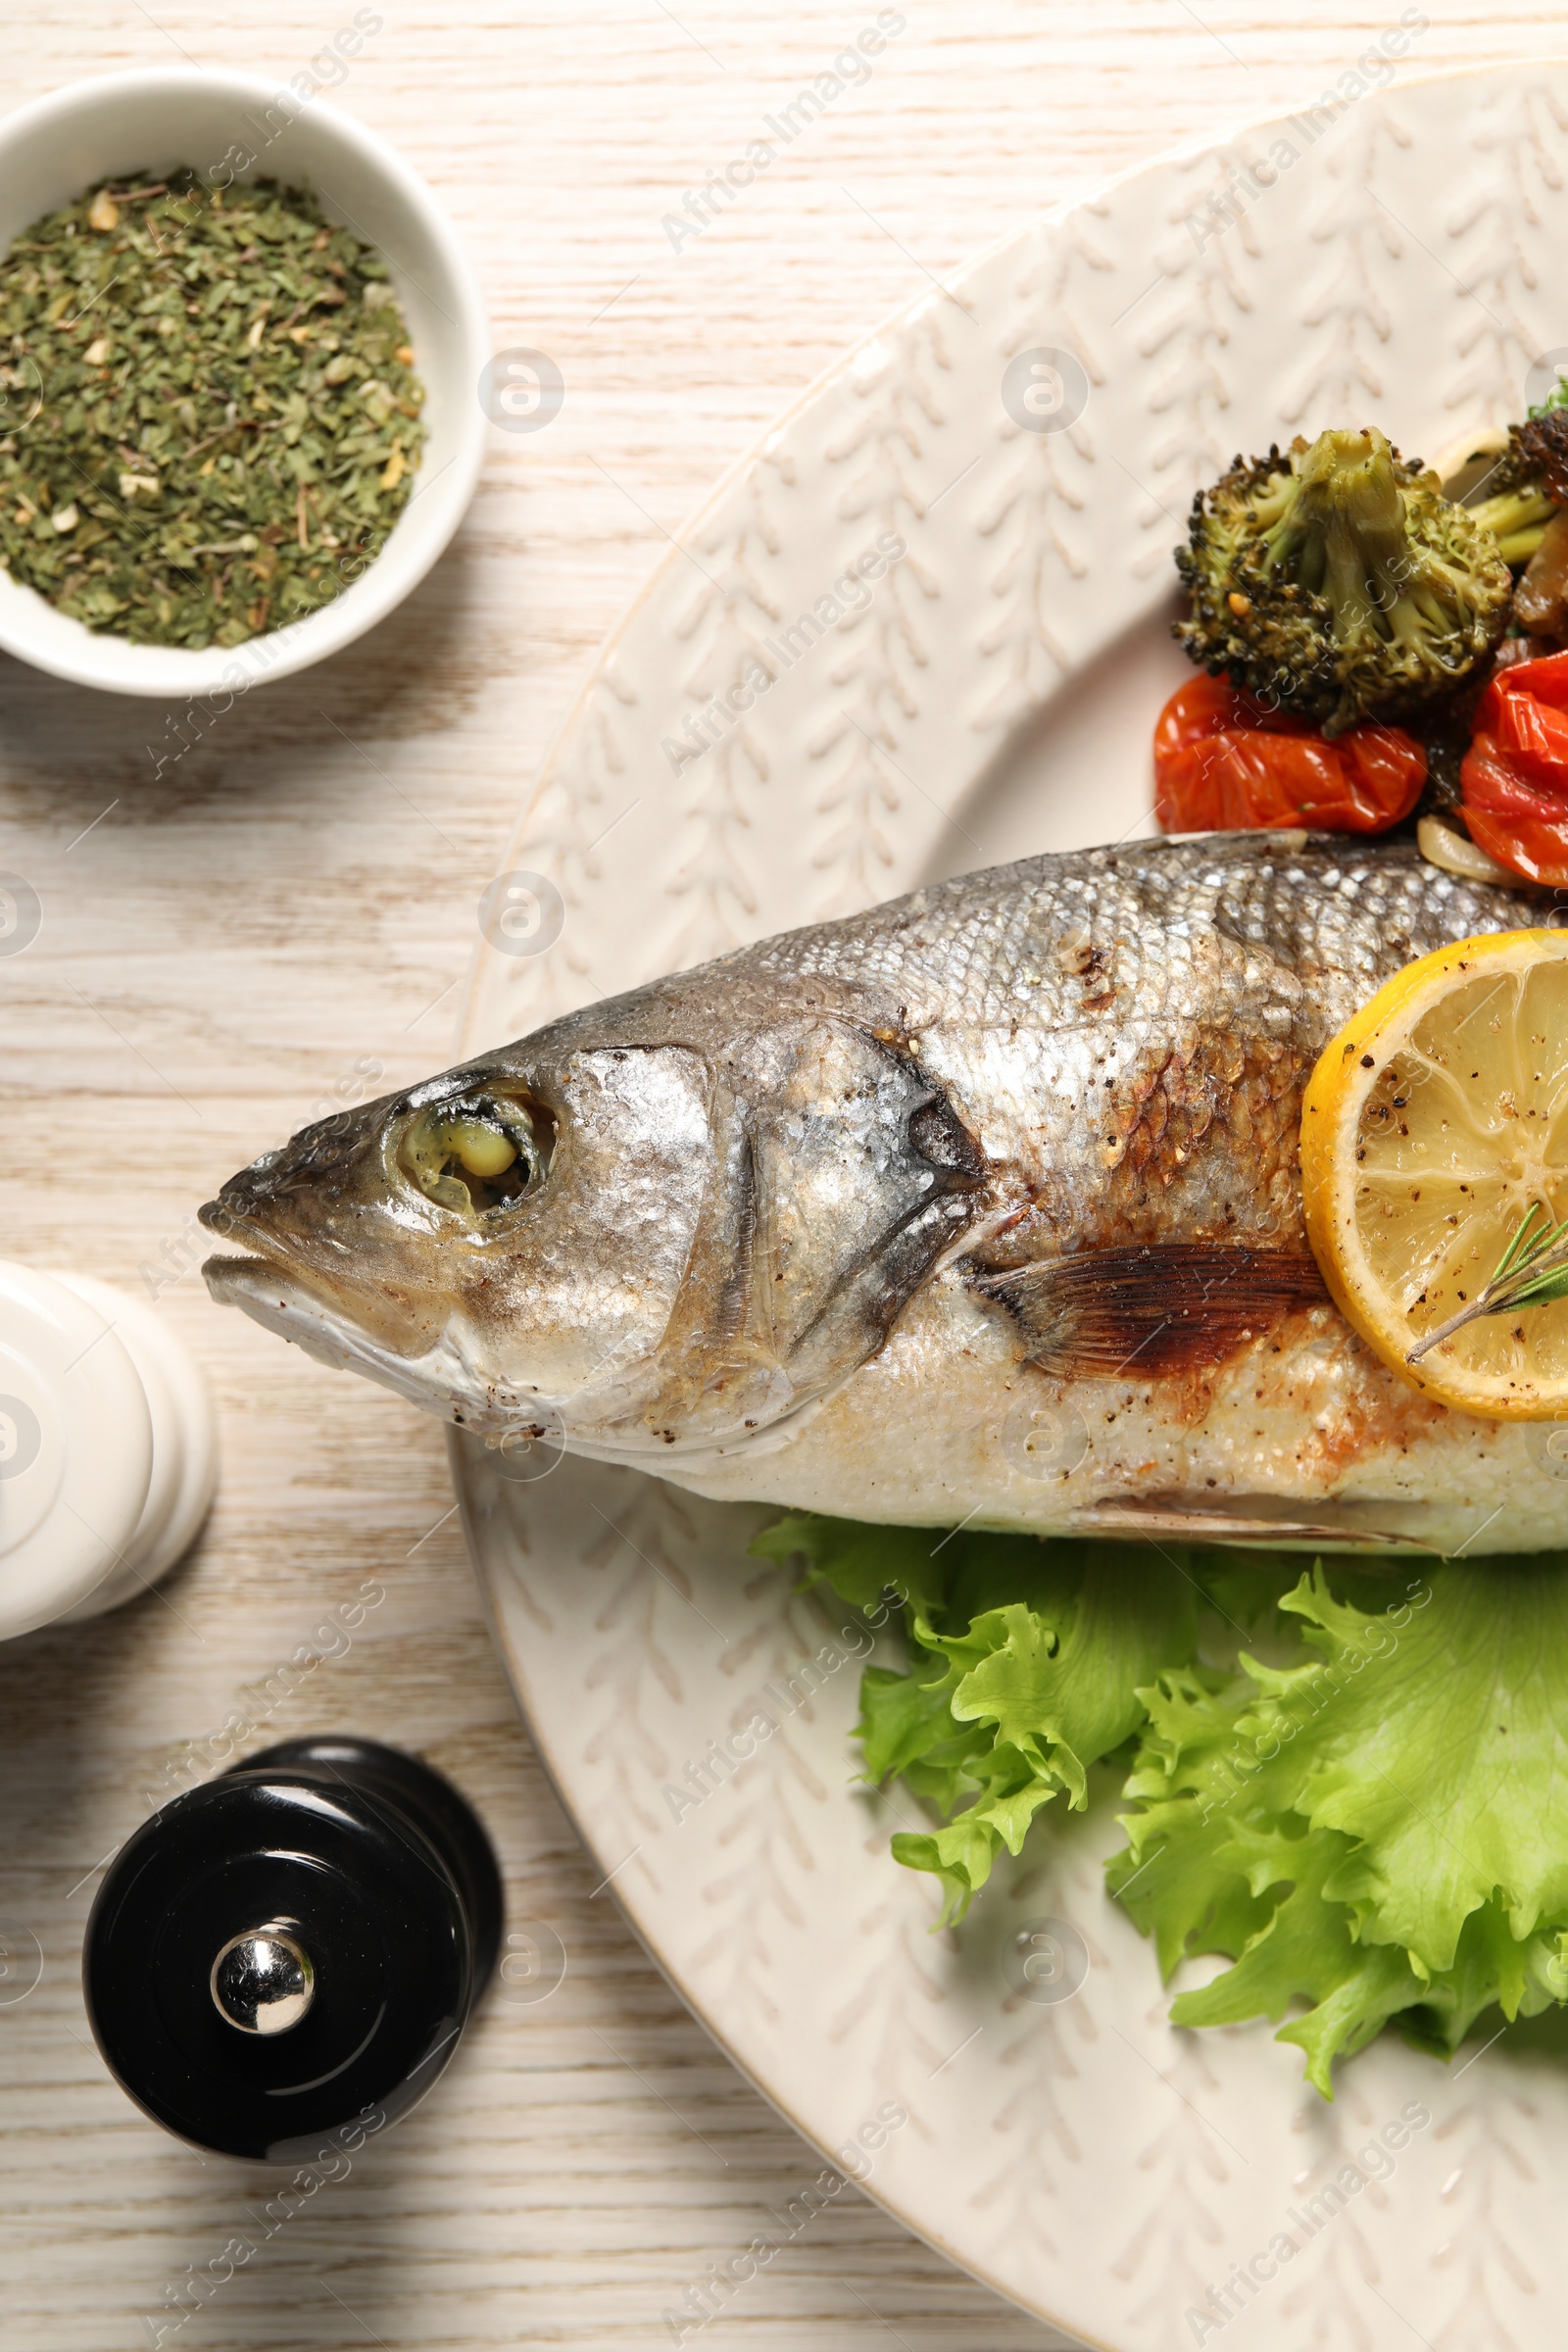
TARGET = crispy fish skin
x,y
984,1205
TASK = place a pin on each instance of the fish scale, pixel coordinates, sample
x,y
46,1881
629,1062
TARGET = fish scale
x,y
961,948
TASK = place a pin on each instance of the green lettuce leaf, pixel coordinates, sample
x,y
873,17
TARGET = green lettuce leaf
x,y
1380,1830
1026,1659
1374,1829
1491,1967
1176,1878
1436,1736
860,1562
1304,1948
907,1721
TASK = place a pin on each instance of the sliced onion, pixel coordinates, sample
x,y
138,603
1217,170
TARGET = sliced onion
x,y
1456,853
1465,464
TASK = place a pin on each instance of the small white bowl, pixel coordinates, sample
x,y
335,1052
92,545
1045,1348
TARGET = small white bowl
x,y
154,122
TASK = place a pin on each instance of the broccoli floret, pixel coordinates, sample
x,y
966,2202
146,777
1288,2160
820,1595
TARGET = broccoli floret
x,y
1529,482
1338,582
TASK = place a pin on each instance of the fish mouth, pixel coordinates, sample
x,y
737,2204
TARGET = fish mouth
x,y
271,1291
271,1263
282,1253
440,1378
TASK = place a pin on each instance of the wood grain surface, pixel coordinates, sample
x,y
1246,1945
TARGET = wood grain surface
x,y
278,921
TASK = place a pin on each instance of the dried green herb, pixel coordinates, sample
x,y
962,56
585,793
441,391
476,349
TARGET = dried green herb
x,y
217,416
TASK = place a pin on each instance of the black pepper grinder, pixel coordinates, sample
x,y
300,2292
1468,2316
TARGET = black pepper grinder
x,y
293,1948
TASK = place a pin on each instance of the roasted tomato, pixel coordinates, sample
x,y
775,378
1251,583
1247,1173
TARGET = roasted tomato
x,y
1514,776
1223,763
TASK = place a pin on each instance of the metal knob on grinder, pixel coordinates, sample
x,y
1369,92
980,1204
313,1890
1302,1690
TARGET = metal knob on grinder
x,y
293,1947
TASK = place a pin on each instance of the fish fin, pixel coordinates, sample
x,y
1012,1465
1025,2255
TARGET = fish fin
x,y
1159,1308
1193,1523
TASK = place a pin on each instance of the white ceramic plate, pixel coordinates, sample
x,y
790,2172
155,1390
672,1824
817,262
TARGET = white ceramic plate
x,y
993,695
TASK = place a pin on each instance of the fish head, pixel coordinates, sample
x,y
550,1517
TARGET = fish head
x,y
644,1242
517,1228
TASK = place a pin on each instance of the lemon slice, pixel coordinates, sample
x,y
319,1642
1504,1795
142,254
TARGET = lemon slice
x,y
1432,1126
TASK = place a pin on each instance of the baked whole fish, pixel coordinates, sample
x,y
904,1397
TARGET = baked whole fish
x,y
983,1207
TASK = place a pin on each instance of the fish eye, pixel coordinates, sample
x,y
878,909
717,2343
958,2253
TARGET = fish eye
x,y
480,1153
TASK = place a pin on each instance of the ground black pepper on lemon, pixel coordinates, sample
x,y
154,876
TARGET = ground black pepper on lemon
x,y
217,416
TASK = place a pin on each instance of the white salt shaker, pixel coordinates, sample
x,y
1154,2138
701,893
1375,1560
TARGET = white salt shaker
x,y
107,1447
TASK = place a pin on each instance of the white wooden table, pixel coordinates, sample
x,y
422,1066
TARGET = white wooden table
x,y
232,938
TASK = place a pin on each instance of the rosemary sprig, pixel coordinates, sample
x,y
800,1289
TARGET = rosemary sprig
x,y
1532,1271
